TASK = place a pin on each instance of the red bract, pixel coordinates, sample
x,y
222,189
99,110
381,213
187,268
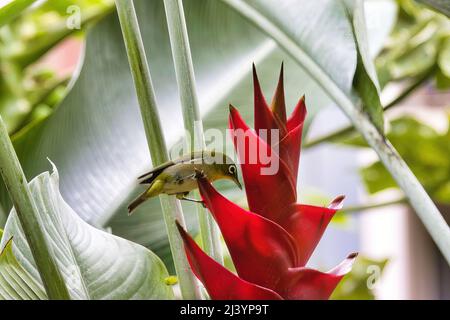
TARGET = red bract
x,y
222,284
270,244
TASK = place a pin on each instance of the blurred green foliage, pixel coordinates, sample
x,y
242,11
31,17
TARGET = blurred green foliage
x,y
419,42
358,283
419,45
424,149
29,91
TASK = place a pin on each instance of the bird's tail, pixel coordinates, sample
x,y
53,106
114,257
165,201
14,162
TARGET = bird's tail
x,y
155,189
136,202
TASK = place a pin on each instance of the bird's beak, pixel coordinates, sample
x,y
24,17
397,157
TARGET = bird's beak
x,y
236,180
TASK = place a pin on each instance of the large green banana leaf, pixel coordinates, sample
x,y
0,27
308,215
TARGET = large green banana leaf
x,y
94,264
96,137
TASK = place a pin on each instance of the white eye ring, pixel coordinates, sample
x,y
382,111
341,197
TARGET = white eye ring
x,y
232,169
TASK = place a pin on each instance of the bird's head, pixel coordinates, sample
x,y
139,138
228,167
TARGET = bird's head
x,y
225,167
231,173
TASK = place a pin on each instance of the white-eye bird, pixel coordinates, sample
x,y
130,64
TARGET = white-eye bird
x,y
179,177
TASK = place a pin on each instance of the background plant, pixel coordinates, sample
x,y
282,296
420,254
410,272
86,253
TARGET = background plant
x,y
95,134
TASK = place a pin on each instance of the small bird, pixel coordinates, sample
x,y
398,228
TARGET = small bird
x,y
179,177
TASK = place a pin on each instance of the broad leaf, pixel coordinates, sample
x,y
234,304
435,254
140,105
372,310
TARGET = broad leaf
x,y
366,80
328,44
380,17
311,49
94,264
15,282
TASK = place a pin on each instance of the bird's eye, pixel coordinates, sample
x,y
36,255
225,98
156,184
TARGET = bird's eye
x,y
232,169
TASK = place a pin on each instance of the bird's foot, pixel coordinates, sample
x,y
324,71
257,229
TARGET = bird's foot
x,y
194,200
199,174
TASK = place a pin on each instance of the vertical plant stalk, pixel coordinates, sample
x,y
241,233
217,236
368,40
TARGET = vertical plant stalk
x,y
184,70
28,215
3,218
147,101
359,208
414,191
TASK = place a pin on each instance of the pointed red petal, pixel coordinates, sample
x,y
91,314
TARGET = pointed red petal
x,y
289,150
290,145
306,224
278,104
310,284
264,119
268,181
298,115
261,250
268,119
220,283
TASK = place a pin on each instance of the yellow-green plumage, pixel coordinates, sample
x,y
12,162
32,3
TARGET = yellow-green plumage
x,y
179,177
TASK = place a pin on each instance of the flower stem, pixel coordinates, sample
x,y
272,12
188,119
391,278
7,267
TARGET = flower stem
x,y
147,101
28,215
192,121
352,209
346,131
402,174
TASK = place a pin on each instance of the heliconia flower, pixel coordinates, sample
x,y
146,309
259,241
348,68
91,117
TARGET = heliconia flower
x,y
271,243
275,196
222,284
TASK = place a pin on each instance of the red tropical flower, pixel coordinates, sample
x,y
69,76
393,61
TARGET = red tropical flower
x,y
270,244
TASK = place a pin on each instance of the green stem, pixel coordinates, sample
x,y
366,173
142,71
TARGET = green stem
x,y
414,191
346,131
147,101
13,9
28,215
373,206
3,217
330,137
192,121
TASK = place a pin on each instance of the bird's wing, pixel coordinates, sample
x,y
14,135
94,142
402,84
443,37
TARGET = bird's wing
x,y
201,157
192,157
187,158
152,174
